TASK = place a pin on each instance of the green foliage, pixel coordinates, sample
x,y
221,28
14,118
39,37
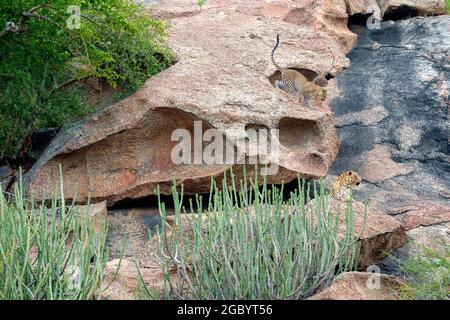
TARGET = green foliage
x,y
253,245
115,40
428,274
54,254
447,6
200,3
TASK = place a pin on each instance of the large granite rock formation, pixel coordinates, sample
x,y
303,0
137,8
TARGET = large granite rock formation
x,y
223,78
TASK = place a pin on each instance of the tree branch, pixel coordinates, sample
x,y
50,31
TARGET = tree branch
x,y
21,27
67,83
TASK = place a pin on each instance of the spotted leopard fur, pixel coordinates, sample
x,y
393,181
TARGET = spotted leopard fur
x,y
341,187
296,84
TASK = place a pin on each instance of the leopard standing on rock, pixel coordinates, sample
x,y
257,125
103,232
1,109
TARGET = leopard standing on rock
x,y
296,84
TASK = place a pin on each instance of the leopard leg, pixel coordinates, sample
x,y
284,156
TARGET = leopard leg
x,y
298,92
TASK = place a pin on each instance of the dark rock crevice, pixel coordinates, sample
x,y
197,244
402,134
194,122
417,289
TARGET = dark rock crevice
x,y
392,13
359,124
358,19
400,13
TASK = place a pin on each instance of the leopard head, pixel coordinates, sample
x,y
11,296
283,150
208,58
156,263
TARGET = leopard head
x,y
322,94
352,178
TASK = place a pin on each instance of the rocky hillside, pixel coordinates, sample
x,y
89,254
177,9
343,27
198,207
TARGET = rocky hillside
x,y
386,115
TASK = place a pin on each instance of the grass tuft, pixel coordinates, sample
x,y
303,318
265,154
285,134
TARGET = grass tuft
x,y
428,274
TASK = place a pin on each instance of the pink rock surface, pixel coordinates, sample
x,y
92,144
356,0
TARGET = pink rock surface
x,y
359,286
223,78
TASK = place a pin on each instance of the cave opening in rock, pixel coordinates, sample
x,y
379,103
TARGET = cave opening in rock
x,y
358,19
298,134
150,203
393,13
357,23
309,75
400,13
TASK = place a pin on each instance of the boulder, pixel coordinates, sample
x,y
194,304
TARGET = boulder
x,y
431,237
223,78
392,118
124,280
381,234
361,286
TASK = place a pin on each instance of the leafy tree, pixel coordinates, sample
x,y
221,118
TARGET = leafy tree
x,y
47,46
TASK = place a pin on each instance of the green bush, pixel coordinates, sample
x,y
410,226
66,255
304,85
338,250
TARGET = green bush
x,y
254,245
43,51
200,3
428,274
48,255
